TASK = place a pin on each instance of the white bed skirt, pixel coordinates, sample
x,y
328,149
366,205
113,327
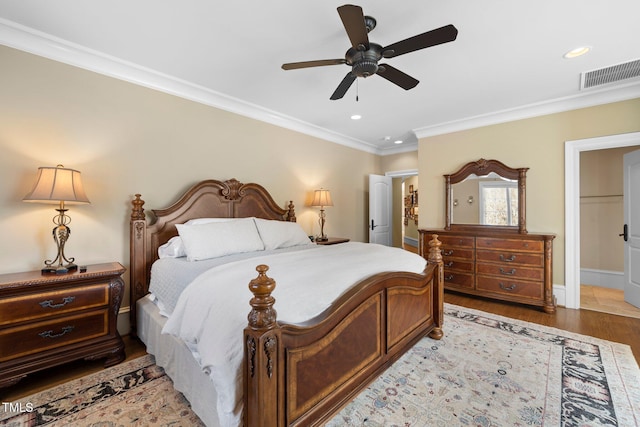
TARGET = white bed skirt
x,y
177,361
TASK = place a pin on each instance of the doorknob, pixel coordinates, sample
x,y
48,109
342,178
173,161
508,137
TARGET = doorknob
x,y
625,233
372,225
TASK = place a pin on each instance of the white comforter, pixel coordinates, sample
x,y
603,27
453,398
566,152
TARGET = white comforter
x,y
212,311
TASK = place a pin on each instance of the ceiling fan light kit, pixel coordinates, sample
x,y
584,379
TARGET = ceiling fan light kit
x,y
363,56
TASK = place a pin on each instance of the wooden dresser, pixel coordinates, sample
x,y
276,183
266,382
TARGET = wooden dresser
x,y
494,264
47,320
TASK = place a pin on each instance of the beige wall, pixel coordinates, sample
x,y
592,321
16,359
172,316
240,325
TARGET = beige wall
x,y
400,162
126,139
537,143
601,209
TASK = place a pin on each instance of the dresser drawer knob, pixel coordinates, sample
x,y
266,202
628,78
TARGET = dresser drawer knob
x,y
505,259
50,334
508,273
49,303
447,253
448,278
507,288
449,264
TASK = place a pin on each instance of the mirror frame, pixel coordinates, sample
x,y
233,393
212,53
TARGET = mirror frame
x,y
480,168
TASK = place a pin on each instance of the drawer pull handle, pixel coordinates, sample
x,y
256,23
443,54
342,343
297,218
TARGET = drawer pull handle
x,y
508,273
50,334
49,303
507,288
448,278
449,264
510,259
447,253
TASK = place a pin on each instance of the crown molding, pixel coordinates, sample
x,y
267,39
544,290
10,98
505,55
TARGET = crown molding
x,y
619,92
29,40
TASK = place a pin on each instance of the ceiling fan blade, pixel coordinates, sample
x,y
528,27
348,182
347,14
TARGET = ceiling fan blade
x,y
445,34
307,64
344,85
396,76
353,21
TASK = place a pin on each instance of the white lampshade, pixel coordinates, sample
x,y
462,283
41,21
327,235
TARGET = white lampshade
x,y
57,184
322,198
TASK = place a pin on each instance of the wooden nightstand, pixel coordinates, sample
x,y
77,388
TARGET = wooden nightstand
x,y
48,319
333,241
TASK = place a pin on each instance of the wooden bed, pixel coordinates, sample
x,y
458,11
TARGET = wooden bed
x,y
301,374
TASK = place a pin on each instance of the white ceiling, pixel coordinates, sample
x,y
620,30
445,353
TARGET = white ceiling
x,y
507,62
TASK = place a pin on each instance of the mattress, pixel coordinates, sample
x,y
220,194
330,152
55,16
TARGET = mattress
x,y
177,361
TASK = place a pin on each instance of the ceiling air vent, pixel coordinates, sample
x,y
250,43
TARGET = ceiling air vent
x,y
612,74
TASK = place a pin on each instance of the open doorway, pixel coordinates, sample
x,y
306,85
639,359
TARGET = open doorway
x,y
602,247
405,209
573,150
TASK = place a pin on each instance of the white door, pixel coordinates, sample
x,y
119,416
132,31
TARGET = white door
x,y
380,213
632,228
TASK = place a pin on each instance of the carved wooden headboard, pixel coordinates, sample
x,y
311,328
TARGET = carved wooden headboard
x,y
207,199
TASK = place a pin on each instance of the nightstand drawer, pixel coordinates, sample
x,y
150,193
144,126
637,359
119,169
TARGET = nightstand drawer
x,y
45,304
37,337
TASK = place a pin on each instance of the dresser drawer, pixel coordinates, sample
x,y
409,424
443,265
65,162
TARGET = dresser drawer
x,y
46,304
452,264
521,288
458,241
459,280
449,252
46,335
521,245
508,270
516,258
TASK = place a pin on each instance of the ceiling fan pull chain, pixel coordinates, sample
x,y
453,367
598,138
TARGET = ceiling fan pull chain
x,y
357,90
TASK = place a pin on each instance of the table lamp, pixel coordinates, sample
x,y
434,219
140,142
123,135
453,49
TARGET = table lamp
x,y
322,198
58,185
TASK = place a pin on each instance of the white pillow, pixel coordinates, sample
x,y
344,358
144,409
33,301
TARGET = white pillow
x,y
174,248
281,234
215,239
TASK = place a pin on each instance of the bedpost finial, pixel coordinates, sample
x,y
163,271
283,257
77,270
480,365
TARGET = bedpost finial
x,y
137,213
435,254
291,212
262,315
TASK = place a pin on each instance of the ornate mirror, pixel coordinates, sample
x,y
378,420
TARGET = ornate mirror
x,y
486,193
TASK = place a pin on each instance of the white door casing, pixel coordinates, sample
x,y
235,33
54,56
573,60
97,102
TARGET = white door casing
x,y
572,150
380,210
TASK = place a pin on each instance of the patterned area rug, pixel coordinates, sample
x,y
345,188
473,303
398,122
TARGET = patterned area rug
x,y
487,371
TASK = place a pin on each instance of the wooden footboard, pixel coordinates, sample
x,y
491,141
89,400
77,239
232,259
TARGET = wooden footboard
x,y
299,375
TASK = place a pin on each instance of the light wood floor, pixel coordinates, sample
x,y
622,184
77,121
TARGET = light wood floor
x,y
606,300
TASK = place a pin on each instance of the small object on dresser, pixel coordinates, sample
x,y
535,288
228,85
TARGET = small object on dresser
x,y
331,241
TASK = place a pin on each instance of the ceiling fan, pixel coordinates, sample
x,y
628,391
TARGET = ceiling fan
x,y
363,56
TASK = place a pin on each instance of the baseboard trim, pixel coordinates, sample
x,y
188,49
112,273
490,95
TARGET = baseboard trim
x,y
411,241
602,278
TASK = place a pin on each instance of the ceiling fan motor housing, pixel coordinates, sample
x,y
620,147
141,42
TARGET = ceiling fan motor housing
x,y
364,63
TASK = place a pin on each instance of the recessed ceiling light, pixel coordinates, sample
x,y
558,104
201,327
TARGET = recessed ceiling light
x,y
579,51
398,141
356,117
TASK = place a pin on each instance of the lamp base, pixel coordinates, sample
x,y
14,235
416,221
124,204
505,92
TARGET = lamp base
x,y
59,269
322,239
